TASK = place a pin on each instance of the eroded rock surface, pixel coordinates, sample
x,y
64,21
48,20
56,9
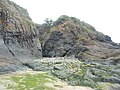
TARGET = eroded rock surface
x,y
19,40
68,36
100,76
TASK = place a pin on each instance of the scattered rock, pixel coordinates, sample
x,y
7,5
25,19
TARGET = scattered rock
x,y
58,68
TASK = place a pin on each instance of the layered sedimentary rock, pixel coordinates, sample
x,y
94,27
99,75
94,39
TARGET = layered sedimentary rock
x,y
68,36
19,40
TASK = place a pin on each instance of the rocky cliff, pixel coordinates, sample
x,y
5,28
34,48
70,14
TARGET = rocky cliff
x,y
70,37
22,41
82,55
19,40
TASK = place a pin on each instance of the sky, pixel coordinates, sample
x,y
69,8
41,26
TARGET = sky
x,y
104,15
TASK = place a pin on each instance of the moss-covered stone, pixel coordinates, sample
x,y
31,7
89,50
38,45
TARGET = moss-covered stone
x,y
78,73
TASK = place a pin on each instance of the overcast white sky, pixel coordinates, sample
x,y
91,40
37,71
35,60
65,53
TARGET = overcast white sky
x,y
104,15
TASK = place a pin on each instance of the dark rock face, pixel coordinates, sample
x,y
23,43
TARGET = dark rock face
x,y
19,40
62,40
74,38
